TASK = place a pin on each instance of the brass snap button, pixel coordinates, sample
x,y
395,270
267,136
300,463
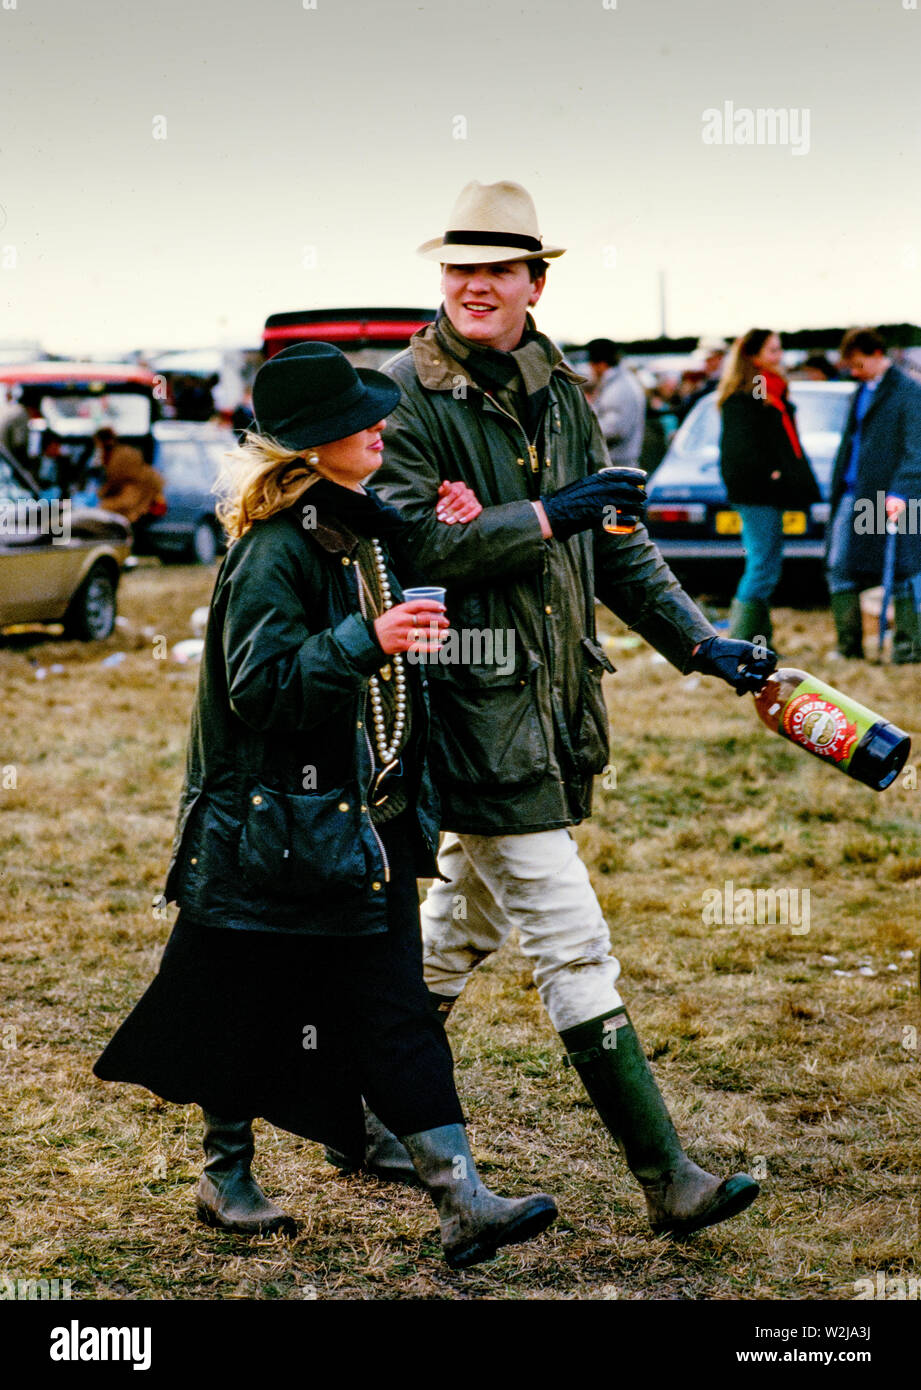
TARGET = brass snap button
x,y
257,800
343,805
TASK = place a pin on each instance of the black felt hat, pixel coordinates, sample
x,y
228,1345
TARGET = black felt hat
x,y
310,394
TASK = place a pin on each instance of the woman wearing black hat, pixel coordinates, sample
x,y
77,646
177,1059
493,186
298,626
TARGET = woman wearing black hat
x,y
291,985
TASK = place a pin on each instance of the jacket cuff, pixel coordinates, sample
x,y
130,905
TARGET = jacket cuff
x,y
674,628
358,641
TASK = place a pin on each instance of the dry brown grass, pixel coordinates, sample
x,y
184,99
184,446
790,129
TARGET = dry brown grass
x,y
768,1058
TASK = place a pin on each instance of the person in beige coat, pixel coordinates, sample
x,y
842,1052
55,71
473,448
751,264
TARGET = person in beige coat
x,y
131,487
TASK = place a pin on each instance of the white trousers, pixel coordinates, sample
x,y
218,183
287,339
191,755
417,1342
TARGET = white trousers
x,y
538,884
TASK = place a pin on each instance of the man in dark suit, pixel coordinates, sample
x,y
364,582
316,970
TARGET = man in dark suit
x,y
876,479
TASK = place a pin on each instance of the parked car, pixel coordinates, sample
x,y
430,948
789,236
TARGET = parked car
x,y
189,456
689,516
57,564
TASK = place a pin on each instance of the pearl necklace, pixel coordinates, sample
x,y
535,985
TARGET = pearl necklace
x,y
387,751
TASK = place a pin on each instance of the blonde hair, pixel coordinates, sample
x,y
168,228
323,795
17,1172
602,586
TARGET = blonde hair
x,y
258,479
739,370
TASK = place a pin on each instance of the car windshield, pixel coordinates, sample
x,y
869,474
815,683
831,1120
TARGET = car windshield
x,y
818,413
126,414
181,462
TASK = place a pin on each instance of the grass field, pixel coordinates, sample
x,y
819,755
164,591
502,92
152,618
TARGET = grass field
x,y
792,1053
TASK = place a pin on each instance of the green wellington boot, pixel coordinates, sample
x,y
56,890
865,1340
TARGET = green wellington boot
x,y
680,1196
906,635
845,610
475,1223
384,1156
748,619
228,1195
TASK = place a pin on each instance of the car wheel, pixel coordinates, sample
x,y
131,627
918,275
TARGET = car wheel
x,y
91,615
204,543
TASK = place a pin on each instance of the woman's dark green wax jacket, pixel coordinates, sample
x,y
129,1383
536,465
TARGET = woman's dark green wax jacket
x,y
273,831
515,744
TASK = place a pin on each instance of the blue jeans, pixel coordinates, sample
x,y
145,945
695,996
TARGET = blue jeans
x,y
762,536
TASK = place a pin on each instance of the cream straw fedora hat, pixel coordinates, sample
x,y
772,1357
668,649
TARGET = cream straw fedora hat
x,y
490,222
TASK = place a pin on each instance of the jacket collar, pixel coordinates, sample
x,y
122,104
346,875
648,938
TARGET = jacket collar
x,y
886,382
331,535
437,371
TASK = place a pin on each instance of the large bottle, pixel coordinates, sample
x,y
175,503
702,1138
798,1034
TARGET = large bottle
x,y
833,727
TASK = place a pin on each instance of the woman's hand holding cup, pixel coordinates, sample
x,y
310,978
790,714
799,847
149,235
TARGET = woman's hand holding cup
x,y
403,627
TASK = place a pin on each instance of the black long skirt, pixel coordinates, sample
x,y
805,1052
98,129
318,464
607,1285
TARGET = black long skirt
x,y
297,1029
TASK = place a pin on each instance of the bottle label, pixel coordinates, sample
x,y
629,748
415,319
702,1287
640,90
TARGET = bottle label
x,y
824,721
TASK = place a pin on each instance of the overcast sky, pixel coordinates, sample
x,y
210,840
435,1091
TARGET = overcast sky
x,y
308,151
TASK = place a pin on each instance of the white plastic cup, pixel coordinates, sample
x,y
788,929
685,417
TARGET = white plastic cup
x,y
432,640
431,591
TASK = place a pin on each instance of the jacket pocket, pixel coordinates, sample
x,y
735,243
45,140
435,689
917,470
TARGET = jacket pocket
x,y
302,845
488,727
593,746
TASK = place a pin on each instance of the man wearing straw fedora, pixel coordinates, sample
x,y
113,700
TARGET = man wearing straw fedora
x,y
489,399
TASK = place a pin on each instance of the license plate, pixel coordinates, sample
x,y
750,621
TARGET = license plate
x,y
728,524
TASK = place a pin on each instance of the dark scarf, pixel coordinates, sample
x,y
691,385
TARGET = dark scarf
x,y
522,376
362,512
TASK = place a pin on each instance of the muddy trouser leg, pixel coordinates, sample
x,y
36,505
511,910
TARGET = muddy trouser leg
x,y
542,887
462,922
537,883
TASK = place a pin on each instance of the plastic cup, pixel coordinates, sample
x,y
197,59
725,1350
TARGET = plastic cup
x,y
432,640
431,591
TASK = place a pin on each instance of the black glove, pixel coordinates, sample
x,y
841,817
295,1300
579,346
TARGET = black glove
x,y
740,664
583,505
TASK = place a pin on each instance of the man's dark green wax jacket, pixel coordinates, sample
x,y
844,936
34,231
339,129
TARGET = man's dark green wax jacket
x,y
273,832
515,750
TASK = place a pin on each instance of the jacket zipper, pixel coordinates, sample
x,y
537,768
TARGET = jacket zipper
x,y
531,448
535,467
362,706
370,821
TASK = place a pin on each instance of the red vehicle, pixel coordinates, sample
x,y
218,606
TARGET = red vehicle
x,y
75,399
366,336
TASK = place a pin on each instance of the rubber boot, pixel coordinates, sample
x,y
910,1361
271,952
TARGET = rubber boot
x,y
906,635
845,610
384,1156
228,1195
750,618
680,1196
475,1223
